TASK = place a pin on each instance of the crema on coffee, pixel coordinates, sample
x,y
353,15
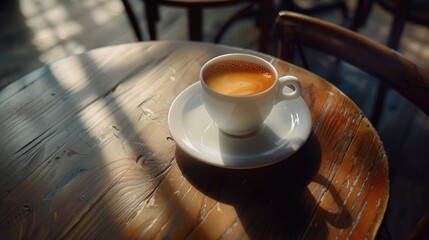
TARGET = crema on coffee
x,y
238,78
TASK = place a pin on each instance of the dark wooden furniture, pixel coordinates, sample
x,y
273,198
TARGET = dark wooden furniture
x,y
421,231
316,7
86,153
195,17
415,11
384,63
133,20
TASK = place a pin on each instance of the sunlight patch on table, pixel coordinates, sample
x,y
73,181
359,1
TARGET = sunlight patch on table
x,y
73,78
57,30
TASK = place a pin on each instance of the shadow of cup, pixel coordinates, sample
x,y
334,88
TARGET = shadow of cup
x,y
273,200
263,147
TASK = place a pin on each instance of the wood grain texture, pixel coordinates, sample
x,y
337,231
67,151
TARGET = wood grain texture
x,y
86,153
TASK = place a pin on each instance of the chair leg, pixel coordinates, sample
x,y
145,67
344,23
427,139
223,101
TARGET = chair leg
x,y
265,9
195,24
392,42
344,10
379,102
395,34
355,24
303,57
361,14
286,49
152,17
133,20
401,11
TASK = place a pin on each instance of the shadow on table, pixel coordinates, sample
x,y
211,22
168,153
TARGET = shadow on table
x,y
273,201
261,148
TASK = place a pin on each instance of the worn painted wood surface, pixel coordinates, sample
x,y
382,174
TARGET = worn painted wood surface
x,y
86,153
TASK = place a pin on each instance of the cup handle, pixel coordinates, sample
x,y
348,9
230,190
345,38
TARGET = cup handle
x,y
287,81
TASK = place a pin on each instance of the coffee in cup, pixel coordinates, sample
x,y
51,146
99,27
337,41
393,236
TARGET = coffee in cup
x,y
238,78
240,90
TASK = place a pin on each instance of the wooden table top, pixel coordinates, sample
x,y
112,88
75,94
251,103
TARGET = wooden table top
x,y
86,153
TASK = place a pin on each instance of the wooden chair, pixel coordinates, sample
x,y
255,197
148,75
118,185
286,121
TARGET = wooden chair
x,y
389,66
195,17
415,11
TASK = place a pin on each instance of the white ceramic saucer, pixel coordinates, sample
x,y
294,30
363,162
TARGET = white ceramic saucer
x,y
285,130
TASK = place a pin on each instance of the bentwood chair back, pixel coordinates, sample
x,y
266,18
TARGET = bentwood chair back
x,y
415,11
389,66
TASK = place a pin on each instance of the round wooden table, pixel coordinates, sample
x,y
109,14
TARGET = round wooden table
x,y
86,153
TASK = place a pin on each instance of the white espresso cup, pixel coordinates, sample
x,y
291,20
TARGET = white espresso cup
x,y
234,95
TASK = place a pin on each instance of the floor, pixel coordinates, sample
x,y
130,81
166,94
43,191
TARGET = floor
x,y
38,32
